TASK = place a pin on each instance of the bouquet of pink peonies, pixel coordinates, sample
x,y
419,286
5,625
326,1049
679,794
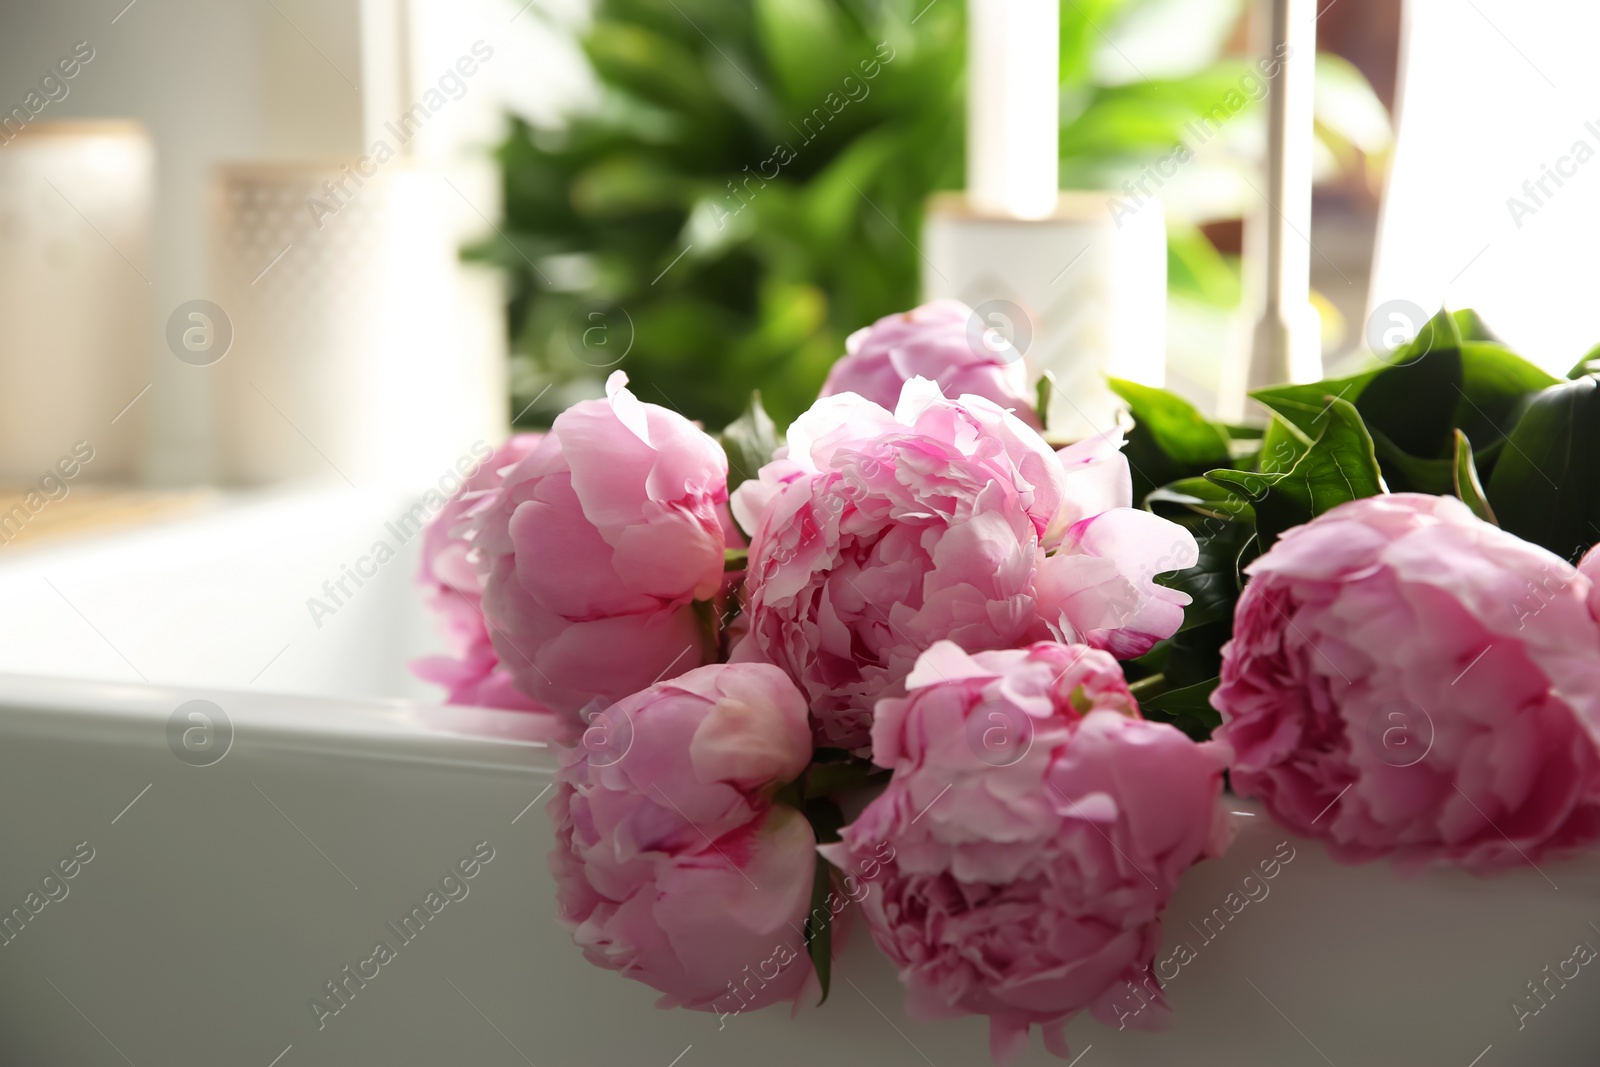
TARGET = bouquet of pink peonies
x,y
869,673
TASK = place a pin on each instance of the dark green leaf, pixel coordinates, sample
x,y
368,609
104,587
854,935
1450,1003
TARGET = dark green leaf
x,y
1340,466
1201,496
1188,708
1252,485
1180,431
1496,384
1439,333
1282,445
735,559
1195,655
826,818
1405,473
1546,486
1413,403
650,64
749,442
1305,405
1169,439
1467,486
826,779
1213,582
833,197
818,927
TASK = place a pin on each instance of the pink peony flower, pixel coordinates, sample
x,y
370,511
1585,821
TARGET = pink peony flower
x,y
942,341
1407,680
1037,828
877,534
471,673
596,547
1590,566
673,865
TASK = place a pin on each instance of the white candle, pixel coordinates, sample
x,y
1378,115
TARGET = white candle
x,y
1013,105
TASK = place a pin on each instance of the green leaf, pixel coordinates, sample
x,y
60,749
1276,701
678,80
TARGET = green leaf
x,y
1304,405
1496,384
1405,473
1413,403
826,779
802,41
735,559
1282,445
826,819
1193,656
749,442
1546,486
1213,583
1180,431
1169,439
1253,485
1589,364
1188,708
1194,266
1201,496
1472,327
819,932
1340,466
1468,489
833,200
625,185
651,65
1043,392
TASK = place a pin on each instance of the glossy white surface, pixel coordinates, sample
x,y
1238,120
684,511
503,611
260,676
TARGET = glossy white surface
x,y
221,599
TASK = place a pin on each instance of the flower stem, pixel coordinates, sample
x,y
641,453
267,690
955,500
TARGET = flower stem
x,y
1145,688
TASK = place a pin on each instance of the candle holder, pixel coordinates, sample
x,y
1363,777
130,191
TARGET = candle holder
x,y
1081,293
362,347
75,200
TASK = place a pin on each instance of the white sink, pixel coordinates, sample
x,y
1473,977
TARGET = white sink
x,y
221,898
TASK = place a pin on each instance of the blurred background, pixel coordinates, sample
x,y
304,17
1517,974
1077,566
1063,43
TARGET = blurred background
x,y
268,240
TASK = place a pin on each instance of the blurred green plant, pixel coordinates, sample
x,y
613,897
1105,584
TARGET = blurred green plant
x,y
750,186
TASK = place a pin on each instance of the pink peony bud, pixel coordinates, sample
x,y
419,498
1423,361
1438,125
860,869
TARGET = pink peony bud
x,y
942,341
1035,827
471,673
595,548
1407,680
674,865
